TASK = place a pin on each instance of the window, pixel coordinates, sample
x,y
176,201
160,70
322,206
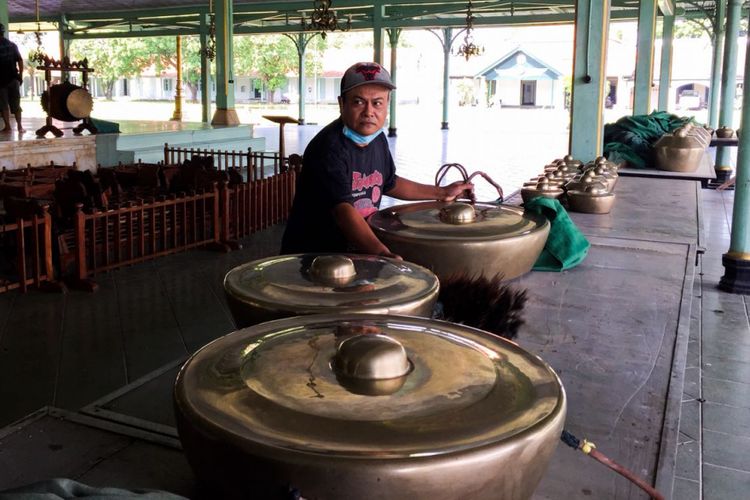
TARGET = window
x,y
167,85
125,90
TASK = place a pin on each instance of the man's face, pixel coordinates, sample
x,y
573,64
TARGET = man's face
x,y
365,108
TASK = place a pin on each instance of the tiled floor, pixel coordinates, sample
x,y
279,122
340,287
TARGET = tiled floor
x,y
715,424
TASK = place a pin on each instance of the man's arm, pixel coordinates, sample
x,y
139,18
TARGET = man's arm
x,y
404,189
358,232
19,62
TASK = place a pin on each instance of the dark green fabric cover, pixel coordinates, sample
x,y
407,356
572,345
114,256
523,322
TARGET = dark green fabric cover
x,y
105,127
566,245
631,138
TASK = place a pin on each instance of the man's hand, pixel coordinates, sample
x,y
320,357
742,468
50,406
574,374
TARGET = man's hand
x,y
455,190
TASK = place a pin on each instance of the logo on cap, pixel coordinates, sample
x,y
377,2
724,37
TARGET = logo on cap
x,y
368,71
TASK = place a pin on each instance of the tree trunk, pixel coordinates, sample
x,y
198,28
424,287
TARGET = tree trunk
x,y
109,89
193,88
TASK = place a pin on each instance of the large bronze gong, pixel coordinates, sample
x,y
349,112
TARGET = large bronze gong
x,y
67,102
459,238
291,285
367,406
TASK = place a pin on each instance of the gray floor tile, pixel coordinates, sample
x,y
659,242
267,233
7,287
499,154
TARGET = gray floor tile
x,y
726,392
726,450
689,460
690,421
726,419
716,347
692,388
686,489
726,369
720,483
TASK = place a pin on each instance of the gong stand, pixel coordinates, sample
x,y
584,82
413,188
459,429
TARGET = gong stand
x,y
65,65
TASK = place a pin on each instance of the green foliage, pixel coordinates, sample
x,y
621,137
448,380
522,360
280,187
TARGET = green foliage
x,y
112,59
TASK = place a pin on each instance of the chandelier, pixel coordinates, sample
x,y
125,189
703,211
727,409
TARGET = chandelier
x,y
37,54
209,51
469,48
324,19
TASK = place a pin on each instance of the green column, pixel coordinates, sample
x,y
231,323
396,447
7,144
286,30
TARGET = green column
x,y
665,70
728,84
301,48
447,42
205,70
393,35
737,260
644,57
377,33
64,44
4,16
587,100
225,113
718,40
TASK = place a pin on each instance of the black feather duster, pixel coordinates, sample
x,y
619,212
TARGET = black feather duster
x,y
484,303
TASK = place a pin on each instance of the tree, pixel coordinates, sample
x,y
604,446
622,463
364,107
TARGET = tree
x,y
271,57
163,50
112,59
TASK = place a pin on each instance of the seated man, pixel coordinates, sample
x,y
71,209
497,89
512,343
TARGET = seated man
x,y
347,168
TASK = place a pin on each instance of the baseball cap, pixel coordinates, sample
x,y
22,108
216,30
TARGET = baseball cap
x,y
363,73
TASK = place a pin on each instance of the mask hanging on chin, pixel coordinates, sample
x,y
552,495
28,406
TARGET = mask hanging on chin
x,y
362,140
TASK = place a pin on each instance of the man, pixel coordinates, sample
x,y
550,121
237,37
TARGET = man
x,y
347,168
11,71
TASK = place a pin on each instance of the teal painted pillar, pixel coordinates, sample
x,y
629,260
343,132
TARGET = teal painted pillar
x,y
377,34
644,57
393,35
447,42
718,40
587,99
4,16
205,70
723,164
64,44
301,49
225,113
736,261
665,69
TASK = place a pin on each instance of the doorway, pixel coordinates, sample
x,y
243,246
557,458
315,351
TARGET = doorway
x,y
528,92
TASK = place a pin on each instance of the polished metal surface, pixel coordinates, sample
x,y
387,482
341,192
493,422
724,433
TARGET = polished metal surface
x,y
267,401
458,213
545,189
681,151
587,178
290,285
593,199
724,132
501,240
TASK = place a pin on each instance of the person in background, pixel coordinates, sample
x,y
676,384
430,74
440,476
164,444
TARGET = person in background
x,y
347,167
11,76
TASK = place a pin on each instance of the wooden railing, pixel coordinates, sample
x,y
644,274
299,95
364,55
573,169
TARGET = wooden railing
x,y
253,165
223,160
105,240
32,239
255,205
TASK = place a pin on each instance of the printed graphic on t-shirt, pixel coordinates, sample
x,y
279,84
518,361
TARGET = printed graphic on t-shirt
x,y
368,189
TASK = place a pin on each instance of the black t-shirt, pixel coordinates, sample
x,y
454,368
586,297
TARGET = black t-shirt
x,y
335,171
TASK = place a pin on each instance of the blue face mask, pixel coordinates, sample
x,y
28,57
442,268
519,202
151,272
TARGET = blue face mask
x,y
359,138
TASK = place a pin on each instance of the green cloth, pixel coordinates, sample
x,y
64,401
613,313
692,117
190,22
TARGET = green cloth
x,y
105,127
566,245
631,138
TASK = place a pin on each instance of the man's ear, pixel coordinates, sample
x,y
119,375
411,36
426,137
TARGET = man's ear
x,y
341,104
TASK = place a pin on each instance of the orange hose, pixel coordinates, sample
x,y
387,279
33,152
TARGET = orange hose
x,y
600,457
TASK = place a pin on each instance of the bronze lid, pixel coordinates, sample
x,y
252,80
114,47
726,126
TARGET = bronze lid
x,y
277,384
423,221
310,283
682,138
